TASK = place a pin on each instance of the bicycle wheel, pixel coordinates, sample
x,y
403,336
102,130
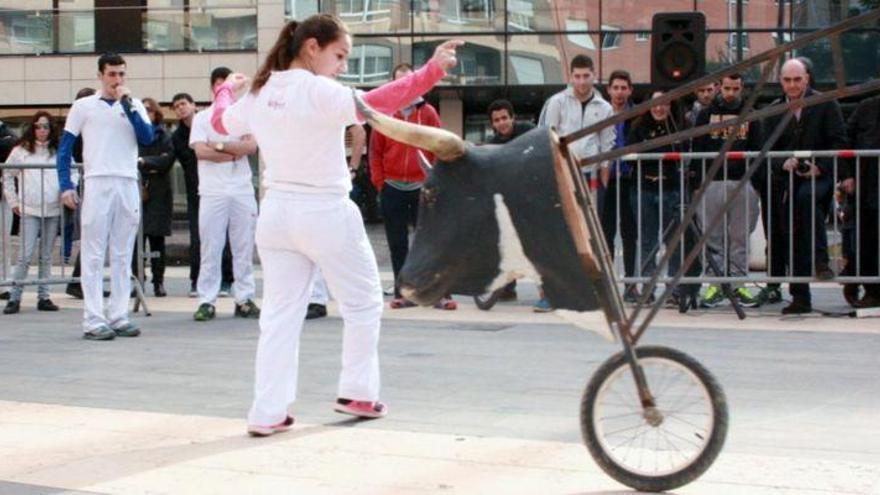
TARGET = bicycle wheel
x,y
676,446
487,300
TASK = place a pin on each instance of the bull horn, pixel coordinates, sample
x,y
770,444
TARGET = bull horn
x,y
424,163
442,143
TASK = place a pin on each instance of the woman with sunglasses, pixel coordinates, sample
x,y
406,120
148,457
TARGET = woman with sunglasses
x,y
37,202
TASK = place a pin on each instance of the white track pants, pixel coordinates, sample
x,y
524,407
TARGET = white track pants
x,y
111,212
319,294
238,214
295,234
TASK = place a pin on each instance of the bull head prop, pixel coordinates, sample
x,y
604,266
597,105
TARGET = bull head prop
x,y
489,215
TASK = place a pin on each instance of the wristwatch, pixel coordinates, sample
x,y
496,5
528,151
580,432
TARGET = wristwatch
x,y
219,146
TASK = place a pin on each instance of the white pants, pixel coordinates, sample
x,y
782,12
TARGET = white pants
x,y
295,234
319,294
110,216
238,214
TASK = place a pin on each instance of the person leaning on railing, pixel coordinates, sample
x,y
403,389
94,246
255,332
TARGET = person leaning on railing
x,y
37,202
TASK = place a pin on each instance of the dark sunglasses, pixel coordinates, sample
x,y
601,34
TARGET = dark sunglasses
x,y
43,126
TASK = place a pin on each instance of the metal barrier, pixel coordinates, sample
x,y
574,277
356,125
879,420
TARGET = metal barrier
x,y
6,243
656,179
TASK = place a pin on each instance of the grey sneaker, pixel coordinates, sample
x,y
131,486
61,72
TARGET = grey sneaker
x,y
127,330
247,309
102,332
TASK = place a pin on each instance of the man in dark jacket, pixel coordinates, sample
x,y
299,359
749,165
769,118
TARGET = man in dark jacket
x,y
864,133
728,247
185,108
7,142
505,128
819,127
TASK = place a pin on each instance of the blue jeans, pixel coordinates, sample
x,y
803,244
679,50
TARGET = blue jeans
x,y
654,223
46,228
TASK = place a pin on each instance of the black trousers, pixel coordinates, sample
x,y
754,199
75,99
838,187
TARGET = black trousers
x,y
399,210
157,265
810,211
195,246
608,198
774,219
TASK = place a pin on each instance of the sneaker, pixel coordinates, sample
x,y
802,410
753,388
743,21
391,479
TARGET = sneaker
x,y
127,330
316,311
400,303
712,297
247,309
193,291
12,307
159,290
265,431
446,303
542,306
745,298
225,289
103,332
360,408
797,308
205,312
46,305
74,290
769,295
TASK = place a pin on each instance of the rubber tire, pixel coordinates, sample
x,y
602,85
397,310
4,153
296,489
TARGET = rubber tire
x,y
670,481
488,300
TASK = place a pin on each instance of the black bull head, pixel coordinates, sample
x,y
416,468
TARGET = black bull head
x,y
488,215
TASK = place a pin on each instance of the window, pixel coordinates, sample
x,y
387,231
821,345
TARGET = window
x,y
610,37
300,9
736,39
368,64
583,40
643,36
363,10
520,15
527,70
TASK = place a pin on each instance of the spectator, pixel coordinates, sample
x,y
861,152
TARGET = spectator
x,y
614,194
398,176
505,128
572,109
864,133
7,142
728,247
704,94
112,124
154,163
74,289
659,187
185,109
819,127
36,203
226,201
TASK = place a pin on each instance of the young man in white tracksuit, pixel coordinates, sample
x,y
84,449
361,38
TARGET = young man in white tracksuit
x,y
226,201
298,114
112,124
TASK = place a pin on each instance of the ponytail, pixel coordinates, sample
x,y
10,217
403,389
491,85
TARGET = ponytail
x,y
325,28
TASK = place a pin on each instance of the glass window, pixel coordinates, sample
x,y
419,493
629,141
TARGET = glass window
x,y
369,64
643,36
583,40
479,60
535,59
629,56
457,15
634,15
370,16
76,32
163,25
610,37
223,29
544,15
24,29
721,14
521,15
300,9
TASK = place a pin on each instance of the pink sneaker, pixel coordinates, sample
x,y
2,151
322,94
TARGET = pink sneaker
x,y
265,431
360,408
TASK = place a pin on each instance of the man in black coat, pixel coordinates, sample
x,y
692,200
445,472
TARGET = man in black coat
x,y
819,127
185,108
863,132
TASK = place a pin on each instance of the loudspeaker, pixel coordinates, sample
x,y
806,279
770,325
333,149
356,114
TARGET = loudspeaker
x,y
678,48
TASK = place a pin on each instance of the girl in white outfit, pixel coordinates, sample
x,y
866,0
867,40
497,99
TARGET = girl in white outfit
x,y
297,113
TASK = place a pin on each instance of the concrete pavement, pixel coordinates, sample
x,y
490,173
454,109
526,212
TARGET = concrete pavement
x,y
480,402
